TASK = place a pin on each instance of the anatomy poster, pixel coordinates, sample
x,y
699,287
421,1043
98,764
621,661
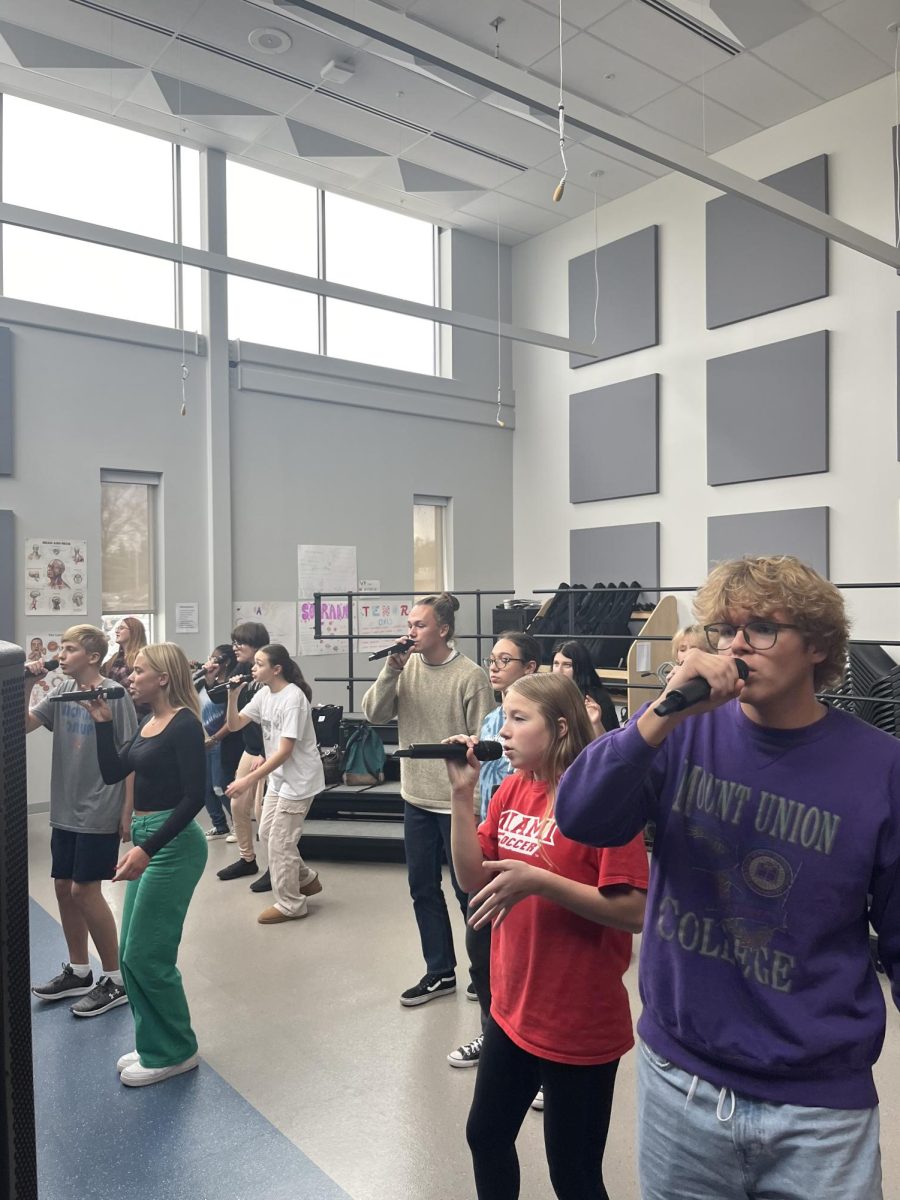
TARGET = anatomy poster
x,y
55,577
44,647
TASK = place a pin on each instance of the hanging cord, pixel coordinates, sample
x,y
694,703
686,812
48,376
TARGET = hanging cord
x,y
499,417
561,108
596,270
179,234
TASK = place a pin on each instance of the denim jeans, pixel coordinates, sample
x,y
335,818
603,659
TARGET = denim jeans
x,y
426,835
699,1142
217,804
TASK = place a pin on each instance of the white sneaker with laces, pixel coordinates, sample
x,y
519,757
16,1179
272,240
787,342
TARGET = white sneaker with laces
x,y
232,837
136,1075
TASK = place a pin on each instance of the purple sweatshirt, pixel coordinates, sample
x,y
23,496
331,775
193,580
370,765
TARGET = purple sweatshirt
x,y
773,850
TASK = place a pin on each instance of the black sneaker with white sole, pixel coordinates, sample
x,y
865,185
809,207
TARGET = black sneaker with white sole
x,y
467,1055
428,988
63,985
104,995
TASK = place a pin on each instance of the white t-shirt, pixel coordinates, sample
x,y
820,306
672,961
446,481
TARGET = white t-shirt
x,y
288,714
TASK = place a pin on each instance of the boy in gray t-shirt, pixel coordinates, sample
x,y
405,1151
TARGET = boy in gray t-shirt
x,y
88,819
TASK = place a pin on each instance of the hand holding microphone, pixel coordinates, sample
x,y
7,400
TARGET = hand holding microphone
x,y
401,647
716,681
37,670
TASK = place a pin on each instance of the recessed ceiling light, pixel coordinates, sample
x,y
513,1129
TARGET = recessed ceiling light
x,y
270,41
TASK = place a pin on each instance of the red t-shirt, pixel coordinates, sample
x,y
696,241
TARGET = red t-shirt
x,y
556,978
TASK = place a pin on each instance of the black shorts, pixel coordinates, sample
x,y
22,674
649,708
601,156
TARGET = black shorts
x,y
83,857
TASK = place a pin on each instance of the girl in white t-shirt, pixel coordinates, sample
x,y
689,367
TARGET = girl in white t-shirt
x,y
292,762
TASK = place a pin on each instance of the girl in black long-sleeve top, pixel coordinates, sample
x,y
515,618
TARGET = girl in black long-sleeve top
x,y
169,763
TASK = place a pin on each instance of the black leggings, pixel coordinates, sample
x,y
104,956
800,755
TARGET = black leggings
x,y
577,1106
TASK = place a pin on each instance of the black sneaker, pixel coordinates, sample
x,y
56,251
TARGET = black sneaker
x,y
467,1055
263,884
428,988
104,995
67,983
471,994
238,869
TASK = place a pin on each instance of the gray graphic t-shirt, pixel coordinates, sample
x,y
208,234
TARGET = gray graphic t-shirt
x,y
79,799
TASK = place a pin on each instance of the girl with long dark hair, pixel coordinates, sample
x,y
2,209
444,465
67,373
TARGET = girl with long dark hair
x,y
572,659
562,916
294,770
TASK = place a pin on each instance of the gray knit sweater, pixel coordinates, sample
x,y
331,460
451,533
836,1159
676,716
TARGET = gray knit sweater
x,y
430,703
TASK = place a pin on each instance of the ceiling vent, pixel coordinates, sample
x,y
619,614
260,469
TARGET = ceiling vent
x,y
696,27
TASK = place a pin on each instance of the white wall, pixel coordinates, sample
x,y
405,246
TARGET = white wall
x,y
863,484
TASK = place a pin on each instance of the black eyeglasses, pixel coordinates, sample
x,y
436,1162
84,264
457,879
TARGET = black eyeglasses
x,y
501,662
759,635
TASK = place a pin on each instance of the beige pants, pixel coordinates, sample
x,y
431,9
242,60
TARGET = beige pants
x,y
245,807
280,831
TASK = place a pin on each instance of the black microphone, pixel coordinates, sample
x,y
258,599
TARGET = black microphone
x,y
693,692
483,751
50,665
397,648
113,692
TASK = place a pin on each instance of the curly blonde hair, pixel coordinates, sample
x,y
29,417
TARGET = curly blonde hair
x,y
781,583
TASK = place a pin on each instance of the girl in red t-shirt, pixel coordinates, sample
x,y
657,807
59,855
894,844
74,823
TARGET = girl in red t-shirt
x,y
562,916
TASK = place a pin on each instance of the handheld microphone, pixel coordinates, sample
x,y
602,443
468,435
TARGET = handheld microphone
x,y
113,692
693,692
398,648
483,751
50,665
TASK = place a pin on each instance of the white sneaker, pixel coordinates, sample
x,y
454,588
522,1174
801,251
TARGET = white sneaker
x,y
213,834
127,1060
538,1102
232,837
138,1076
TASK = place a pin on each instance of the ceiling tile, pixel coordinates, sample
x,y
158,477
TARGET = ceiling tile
x,y
205,69
753,24
312,142
823,59
537,187
391,88
504,134
87,27
629,157
684,115
527,33
580,12
617,178
314,173
37,51
469,223
605,75
231,134
526,218
442,156
755,89
173,14
298,18
867,21
350,121
423,180
660,41
820,5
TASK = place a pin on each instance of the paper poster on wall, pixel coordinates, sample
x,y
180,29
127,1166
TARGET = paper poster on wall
x,y
278,616
334,625
325,569
44,647
384,620
55,576
187,616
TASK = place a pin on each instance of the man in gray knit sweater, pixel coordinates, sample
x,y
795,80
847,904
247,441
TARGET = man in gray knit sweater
x,y
434,692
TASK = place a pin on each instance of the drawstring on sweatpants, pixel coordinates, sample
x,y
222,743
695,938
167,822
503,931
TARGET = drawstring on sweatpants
x,y
725,1094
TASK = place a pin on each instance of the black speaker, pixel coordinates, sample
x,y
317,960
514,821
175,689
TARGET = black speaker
x,y
18,1162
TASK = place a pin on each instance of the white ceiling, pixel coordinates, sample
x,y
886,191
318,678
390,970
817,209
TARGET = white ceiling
x,y
404,137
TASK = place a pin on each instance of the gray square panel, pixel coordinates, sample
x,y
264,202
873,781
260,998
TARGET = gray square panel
x,y
7,577
767,411
614,441
616,553
624,286
758,262
6,402
799,531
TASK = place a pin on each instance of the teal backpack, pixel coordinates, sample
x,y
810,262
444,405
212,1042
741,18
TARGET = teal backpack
x,y
364,757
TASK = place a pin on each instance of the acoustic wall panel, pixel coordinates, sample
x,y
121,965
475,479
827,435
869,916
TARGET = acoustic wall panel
x,y
767,411
799,531
6,404
7,576
758,262
616,553
626,292
614,441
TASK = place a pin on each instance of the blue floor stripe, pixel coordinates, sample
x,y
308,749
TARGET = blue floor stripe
x,y
191,1138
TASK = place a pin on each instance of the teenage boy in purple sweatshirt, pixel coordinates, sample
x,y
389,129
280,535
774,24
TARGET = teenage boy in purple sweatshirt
x,y
777,842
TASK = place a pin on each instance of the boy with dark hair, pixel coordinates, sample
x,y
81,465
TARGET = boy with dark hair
x,y
88,818
777,842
